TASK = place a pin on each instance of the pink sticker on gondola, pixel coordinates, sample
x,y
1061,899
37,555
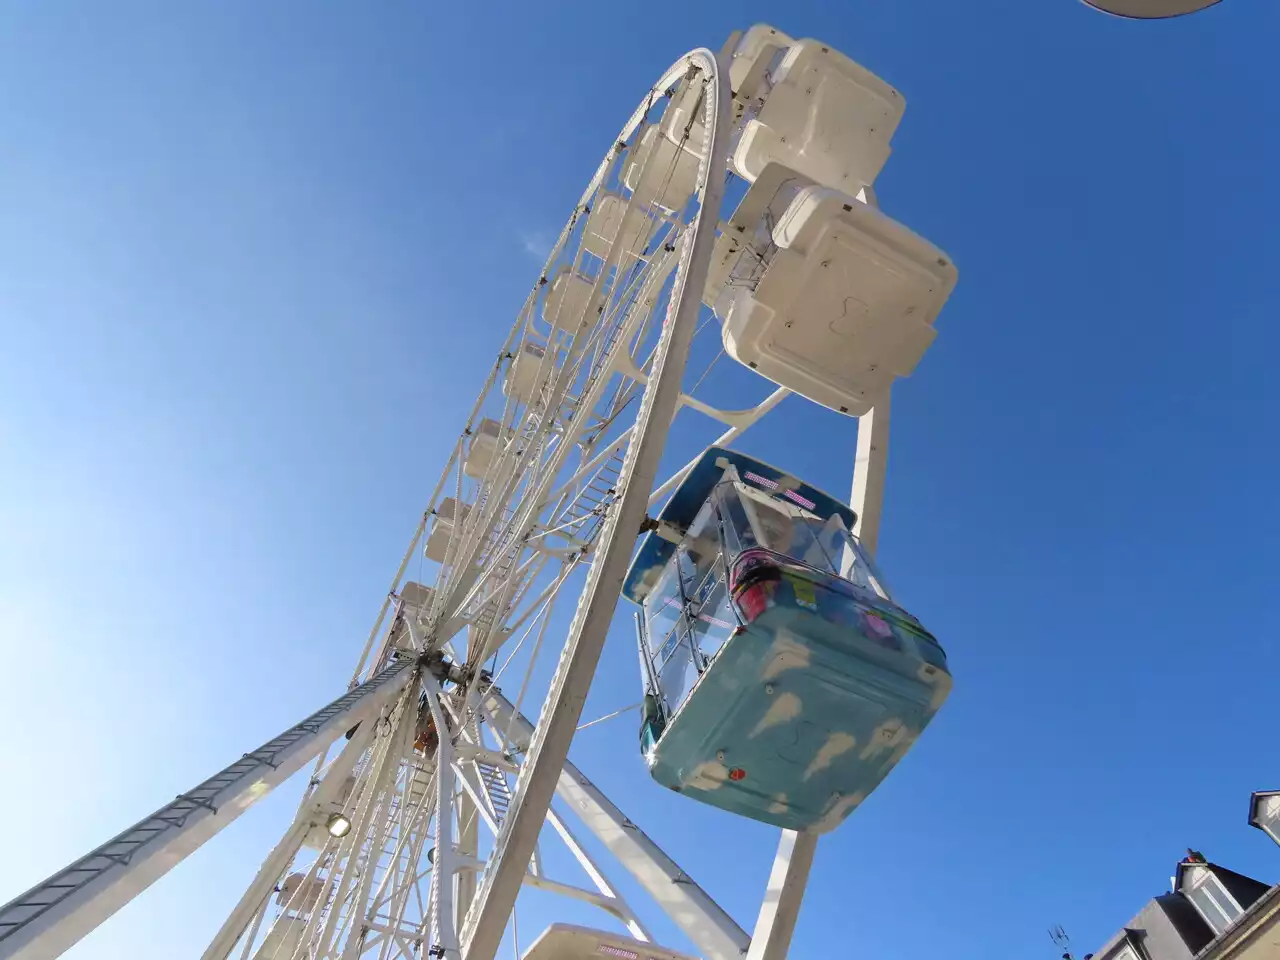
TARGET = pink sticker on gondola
x,y
878,626
803,501
761,481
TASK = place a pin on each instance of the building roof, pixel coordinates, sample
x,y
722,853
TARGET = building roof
x,y
1256,920
1169,927
1255,801
1246,890
1166,928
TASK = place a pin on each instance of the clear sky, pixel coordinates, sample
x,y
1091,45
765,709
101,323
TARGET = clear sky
x,y
255,260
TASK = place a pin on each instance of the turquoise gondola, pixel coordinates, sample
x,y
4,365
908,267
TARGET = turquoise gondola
x,y
782,682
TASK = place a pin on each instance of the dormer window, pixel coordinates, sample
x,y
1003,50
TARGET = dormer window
x,y
1210,898
1264,813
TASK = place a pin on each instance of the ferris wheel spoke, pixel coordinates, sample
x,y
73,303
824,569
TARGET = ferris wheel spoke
x,y
548,749
618,326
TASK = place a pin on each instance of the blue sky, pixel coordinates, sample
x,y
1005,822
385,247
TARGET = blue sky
x,y
255,263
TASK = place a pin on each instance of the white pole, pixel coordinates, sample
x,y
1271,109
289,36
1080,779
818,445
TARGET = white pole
x,y
771,938
444,919
869,462
778,914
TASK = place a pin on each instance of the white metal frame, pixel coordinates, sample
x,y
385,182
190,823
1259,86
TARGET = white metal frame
x,y
412,878
52,916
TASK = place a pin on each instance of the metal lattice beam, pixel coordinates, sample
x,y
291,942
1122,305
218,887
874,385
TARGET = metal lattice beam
x,y
53,915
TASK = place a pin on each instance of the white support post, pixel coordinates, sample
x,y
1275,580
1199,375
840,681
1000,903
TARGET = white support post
x,y
443,918
790,875
549,749
468,846
777,919
869,462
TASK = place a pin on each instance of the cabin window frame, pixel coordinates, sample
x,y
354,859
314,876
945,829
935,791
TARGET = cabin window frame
x,y
844,566
713,532
1203,887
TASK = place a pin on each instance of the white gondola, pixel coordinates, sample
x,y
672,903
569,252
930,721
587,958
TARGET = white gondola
x,y
569,296
603,223
302,894
824,116
416,597
416,600
523,376
662,171
449,513
824,294
563,941
486,443
755,58
283,939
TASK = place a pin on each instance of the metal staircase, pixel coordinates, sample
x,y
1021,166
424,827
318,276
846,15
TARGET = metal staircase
x,y
584,517
496,789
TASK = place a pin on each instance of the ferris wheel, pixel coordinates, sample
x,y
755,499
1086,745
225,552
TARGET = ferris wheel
x,y
760,615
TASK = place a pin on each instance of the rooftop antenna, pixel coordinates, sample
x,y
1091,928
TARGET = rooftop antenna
x,y
1061,940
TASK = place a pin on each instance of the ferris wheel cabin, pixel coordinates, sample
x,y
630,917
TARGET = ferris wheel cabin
x,y
816,288
564,941
782,682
